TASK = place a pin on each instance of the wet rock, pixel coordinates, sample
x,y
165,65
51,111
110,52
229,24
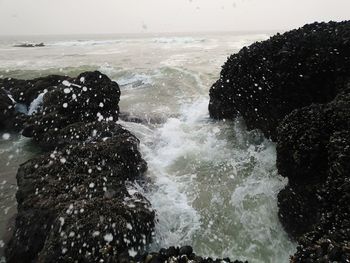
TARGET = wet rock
x,y
74,204
22,92
172,254
25,91
295,87
10,120
73,201
7,110
66,101
100,229
313,150
186,250
74,102
267,80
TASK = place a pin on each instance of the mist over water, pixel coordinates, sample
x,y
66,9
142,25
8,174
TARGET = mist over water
x,y
213,184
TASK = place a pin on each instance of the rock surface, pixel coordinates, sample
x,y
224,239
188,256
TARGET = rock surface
x,y
73,201
10,119
73,102
267,80
7,110
313,150
172,254
30,45
25,91
295,87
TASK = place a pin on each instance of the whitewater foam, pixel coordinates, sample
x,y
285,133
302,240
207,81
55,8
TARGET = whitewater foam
x,y
36,104
215,187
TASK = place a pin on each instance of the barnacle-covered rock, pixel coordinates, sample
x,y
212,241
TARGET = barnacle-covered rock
x,y
267,80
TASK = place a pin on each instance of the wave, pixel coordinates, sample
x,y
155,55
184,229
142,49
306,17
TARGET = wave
x,y
135,80
178,40
215,187
73,43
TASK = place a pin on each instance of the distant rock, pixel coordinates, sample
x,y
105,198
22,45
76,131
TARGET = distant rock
x,y
30,45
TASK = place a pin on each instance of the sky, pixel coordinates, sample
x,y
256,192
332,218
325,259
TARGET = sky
x,y
41,17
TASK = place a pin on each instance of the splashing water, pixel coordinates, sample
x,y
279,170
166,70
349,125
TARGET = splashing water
x,y
36,104
215,187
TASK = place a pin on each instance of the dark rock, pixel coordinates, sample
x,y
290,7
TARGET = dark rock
x,y
157,259
165,255
298,210
266,81
140,256
30,45
172,252
73,203
71,104
295,87
10,119
182,259
7,110
313,151
186,250
25,91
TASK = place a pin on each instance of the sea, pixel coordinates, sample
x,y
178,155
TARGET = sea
x,y
213,184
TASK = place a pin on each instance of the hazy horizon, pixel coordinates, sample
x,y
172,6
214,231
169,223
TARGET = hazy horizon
x,y
111,17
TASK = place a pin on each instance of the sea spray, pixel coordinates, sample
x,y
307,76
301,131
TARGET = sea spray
x,y
214,186
36,104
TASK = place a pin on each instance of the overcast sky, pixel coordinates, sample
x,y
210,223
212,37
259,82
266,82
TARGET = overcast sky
x,y
136,16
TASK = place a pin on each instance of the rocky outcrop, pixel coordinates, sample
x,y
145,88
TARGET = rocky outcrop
x,y
295,88
10,119
22,92
73,201
30,45
267,80
7,110
182,254
25,91
89,98
314,153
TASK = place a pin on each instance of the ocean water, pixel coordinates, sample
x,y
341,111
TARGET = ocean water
x,y
213,184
